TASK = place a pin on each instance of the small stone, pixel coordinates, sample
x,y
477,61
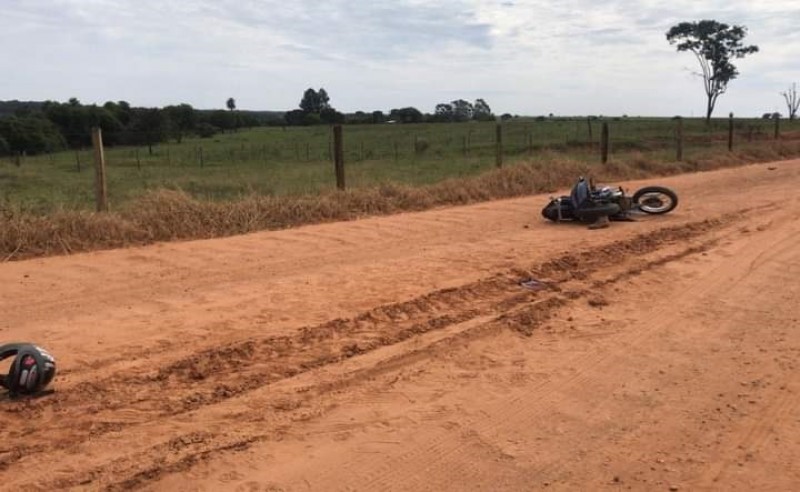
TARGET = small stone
x,y
673,488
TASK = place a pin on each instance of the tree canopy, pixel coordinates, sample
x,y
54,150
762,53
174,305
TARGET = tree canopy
x,y
714,44
461,110
315,108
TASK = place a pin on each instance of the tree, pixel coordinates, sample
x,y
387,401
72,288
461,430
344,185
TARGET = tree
x,y
224,120
182,120
714,44
331,116
443,112
481,111
406,115
324,100
31,134
315,108
148,126
294,117
792,101
314,102
121,110
462,110
75,121
378,117
231,104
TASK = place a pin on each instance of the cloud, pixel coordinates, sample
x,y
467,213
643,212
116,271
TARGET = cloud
x,y
528,56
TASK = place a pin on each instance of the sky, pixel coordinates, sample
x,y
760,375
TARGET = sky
x,y
527,57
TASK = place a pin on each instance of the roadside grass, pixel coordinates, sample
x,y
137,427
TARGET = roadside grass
x,y
171,213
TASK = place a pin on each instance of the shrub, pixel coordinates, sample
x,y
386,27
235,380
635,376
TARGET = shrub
x,y
206,130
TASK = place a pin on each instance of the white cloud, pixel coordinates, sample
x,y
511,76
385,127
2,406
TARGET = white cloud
x,y
523,56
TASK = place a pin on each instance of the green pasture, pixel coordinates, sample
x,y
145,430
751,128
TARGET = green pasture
x,y
295,160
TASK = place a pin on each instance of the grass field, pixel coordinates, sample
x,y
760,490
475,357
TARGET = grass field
x,y
297,160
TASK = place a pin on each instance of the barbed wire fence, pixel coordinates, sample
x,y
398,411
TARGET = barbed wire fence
x,y
483,143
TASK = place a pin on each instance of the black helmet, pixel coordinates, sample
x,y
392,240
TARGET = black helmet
x,y
32,370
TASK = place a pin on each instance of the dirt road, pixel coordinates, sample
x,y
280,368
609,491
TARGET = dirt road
x,y
400,353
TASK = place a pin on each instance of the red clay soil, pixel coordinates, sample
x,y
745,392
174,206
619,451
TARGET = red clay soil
x,y
400,353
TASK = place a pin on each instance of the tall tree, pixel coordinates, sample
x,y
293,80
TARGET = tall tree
x,y
792,101
315,101
310,101
462,110
231,104
714,44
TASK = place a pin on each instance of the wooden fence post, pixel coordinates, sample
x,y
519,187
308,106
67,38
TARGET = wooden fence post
x,y
18,159
604,143
591,137
777,126
499,145
101,193
338,152
679,140
78,160
730,132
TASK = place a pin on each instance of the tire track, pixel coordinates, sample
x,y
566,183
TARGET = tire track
x,y
525,317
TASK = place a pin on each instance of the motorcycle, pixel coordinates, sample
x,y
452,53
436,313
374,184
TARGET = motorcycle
x,y
586,203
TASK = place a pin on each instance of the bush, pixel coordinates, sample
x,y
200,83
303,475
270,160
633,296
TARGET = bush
x,y
30,134
206,130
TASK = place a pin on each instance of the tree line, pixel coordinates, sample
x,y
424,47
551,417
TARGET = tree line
x,y
53,126
315,108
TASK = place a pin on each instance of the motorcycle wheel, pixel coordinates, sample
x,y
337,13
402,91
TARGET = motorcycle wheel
x,y
655,200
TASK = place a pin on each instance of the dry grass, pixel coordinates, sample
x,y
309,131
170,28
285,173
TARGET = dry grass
x,y
169,215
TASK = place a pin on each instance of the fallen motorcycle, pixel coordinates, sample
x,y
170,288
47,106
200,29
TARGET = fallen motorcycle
x,y
586,203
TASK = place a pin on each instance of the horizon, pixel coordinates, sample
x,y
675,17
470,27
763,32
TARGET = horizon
x,y
386,111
